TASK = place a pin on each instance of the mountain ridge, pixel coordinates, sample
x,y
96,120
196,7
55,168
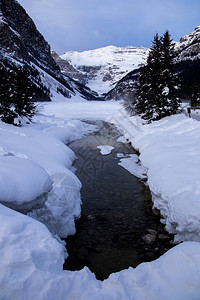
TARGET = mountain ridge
x,y
113,73
21,42
103,67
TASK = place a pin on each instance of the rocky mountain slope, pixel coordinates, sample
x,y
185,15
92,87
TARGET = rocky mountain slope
x,y
20,42
188,48
67,69
104,67
188,61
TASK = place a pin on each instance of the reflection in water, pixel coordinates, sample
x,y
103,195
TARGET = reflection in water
x,y
116,211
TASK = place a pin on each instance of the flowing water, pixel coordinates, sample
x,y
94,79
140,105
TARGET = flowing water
x,y
116,211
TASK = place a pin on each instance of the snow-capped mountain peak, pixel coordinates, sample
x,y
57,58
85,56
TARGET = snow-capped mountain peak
x,y
103,56
105,66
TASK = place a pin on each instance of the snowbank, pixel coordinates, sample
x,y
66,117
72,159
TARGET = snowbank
x,y
31,268
23,183
31,258
34,160
169,150
63,205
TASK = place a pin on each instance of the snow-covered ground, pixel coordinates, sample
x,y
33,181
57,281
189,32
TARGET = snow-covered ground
x,y
32,254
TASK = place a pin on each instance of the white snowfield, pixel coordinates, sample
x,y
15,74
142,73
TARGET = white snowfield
x,y
32,254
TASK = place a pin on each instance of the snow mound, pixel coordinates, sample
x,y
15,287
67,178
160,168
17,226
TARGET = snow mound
x,y
23,183
105,149
43,143
31,268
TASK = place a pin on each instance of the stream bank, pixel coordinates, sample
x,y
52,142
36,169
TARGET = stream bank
x,y
117,228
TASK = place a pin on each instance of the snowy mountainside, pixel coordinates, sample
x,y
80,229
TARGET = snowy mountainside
x,y
75,78
189,46
105,66
68,70
20,42
188,61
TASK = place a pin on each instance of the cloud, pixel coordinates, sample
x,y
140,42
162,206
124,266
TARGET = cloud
x,y
82,25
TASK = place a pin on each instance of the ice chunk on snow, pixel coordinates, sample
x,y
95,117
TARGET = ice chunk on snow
x,y
122,139
165,91
133,165
105,149
120,155
23,183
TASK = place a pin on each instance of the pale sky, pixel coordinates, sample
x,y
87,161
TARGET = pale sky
x,y
88,24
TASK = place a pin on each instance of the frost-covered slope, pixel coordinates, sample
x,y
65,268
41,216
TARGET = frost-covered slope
x,y
103,67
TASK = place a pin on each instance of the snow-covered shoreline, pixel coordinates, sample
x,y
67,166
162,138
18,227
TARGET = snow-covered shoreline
x,y
31,256
169,150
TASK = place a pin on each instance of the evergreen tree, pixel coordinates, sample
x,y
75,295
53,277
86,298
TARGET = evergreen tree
x,y
170,79
16,93
7,113
157,88
150,82
23,95
195,97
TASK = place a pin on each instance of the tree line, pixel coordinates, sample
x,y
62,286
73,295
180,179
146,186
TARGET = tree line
x,y
18,92
158,89
157,93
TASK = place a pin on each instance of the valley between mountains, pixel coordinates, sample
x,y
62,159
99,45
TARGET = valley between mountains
x,y
80,99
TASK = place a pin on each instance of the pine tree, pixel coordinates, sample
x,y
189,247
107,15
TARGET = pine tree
x,y
150,82
23,94
16,93
145,99
195,96
7,113
157,88
170,79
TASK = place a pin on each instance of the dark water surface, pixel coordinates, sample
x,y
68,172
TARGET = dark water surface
x,y
116,211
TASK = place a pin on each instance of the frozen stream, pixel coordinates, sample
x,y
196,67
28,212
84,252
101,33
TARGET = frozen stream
x,y
116,211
